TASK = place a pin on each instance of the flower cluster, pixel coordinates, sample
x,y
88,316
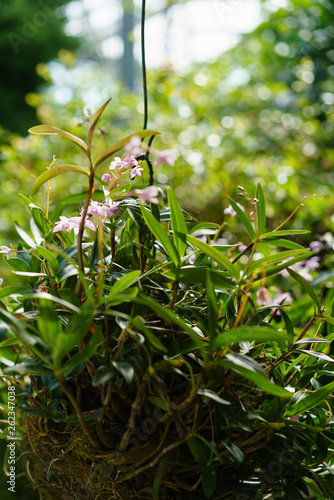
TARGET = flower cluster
x,y
130,163
105,210
67,224
123,165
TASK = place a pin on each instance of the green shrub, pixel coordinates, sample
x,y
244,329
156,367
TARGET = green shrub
x,y
152,358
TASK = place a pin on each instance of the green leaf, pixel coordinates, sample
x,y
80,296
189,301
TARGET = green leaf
x,y
319,355
39,412
260,208
125,369
31,368
77,328
19,265
139,323
279,242
288,326
212,310
287,232
328,319
243,217
79,357
305,286
324,487
73,419
215,254
94,122
211,226
212,395
198,451
49,257
11,290
120,144
8,342
235,451
209,481
290,490
25,236
272,270
272,259
250,334
53,172
170,316
178,223
161,235
20,329
49,324
118,298
41,221
103,374
159,476
48,130
251,371
124,282
52,298
311,400
192,274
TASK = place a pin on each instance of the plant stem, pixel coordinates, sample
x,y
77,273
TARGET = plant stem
x,y
79,287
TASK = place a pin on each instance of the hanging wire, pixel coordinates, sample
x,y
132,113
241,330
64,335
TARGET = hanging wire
x,y
143,64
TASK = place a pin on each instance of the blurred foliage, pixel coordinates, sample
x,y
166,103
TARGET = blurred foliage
x,y
31,33
260,112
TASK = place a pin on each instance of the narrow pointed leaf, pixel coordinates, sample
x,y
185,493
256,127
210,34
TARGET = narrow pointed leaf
x,y
94,122
48,130
288,326
170,316
252,372
192,274
280,242
120,144
178,223
260,210
212,395
53,172
209,481
159,476
235,451
52,298
305,286
243,217
215,254
287,232
161,235
124,282
212,308
250,334
311,400
139,323
25,236
272,259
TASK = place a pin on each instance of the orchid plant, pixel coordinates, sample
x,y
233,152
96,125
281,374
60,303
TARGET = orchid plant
x,y
152,357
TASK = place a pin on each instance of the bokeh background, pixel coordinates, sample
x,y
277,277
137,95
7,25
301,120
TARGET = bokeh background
x,y
242,89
